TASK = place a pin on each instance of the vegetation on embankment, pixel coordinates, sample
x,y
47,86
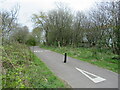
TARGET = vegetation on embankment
x,y
22,69
102,58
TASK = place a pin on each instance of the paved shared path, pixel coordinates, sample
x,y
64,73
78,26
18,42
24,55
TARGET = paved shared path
x,y
78,74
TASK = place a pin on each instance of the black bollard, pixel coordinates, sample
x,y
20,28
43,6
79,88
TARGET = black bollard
x,y
65,59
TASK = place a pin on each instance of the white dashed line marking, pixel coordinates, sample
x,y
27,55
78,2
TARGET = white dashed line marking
x,y
97,79
38,51
42,51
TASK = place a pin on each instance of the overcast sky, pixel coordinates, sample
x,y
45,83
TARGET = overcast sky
x,y
29,7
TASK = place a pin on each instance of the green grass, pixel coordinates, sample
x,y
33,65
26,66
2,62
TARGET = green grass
x,y
101,58
42,77
22,69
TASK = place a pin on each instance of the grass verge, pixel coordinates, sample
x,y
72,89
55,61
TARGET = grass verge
x,y
101,58
42,77
22,69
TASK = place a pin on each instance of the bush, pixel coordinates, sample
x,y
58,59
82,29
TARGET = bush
x,y
31,41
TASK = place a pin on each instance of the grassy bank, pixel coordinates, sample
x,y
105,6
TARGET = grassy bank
x,y
22,69
102,58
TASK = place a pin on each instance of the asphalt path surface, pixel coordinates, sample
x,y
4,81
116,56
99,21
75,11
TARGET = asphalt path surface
x,y
78,74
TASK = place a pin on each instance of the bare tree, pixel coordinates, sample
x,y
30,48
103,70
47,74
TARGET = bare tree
x,y
8,19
